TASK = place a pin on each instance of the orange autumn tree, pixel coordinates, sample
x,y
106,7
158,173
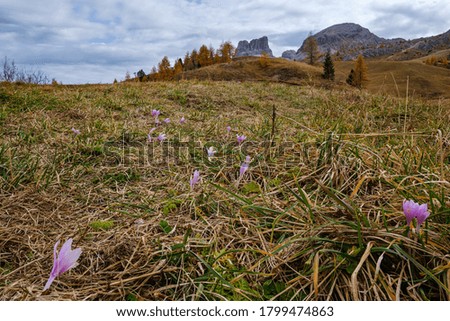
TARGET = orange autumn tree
x,y
226,51
204,56
358,75
164,69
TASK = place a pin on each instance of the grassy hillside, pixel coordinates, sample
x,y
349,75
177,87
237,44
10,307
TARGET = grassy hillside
x,y
258,69
390,77
317,215
385,77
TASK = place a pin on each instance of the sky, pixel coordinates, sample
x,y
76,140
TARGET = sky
x,y
97,41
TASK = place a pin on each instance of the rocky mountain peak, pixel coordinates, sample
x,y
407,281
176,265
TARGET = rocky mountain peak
x,y
348,40
344,37
255,47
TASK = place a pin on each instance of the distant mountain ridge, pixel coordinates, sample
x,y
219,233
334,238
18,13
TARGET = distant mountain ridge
x,y
348,40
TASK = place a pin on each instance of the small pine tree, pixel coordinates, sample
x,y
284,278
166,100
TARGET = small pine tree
x,y
351,77
140,74
328,67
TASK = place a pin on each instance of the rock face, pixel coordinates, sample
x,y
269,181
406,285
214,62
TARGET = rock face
x,y
348,40
256,47
289,54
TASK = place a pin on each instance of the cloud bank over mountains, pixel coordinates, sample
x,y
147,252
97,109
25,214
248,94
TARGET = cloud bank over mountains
x,y
98,40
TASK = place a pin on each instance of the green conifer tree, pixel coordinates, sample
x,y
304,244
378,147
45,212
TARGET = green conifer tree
x,y
328,67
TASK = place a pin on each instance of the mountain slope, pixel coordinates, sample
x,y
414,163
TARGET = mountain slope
x,y
348,40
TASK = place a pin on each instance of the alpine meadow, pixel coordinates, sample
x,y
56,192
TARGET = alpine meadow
x,y
320,176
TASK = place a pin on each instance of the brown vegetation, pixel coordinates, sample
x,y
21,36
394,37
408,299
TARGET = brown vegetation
x,y
317,215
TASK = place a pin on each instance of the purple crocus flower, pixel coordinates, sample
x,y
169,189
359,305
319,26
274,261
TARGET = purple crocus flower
x,y
243,169
413,210
421,215
76,131
161,137
194,180
64,261
149,135
240,138
211,151
409,211
228,129
244,166
155,113
182,120
166,121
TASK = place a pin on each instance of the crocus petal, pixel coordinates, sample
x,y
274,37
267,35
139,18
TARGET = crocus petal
x,y
161,137
211,151
409,211
49,282
65,248
241,138
421,215
243,169
69,260
62,261
194,179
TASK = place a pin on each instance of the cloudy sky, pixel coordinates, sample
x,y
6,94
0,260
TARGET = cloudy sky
x,y
95,41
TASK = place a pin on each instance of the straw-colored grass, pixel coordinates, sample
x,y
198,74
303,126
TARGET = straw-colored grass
x,y
317,216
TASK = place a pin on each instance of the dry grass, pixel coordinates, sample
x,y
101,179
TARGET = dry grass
x,y
257,69
316,217
390,77
393,78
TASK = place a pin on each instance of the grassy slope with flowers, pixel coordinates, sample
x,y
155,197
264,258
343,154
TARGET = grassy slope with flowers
x,y
317,215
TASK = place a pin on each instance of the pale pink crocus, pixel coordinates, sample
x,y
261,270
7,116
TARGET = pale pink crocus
x,y
409,211
421,215
194,180
63,261
228,129
244,167
211,151
166,121
240,138
155,113
76,131
182,120
161,137
413,210
149,135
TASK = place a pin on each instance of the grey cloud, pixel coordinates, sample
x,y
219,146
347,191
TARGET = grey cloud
x,y
91,39
410,20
